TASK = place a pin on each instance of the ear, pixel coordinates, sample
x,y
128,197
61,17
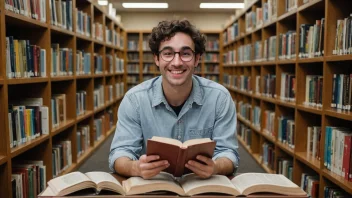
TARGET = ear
x,y
197,58
156,59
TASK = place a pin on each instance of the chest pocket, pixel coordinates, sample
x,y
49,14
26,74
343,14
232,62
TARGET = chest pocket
x,y
201,133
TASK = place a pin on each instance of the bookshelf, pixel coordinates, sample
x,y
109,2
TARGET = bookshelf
x,y
258,80
106,73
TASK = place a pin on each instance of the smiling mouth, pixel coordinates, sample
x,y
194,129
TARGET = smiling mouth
x,y
177,71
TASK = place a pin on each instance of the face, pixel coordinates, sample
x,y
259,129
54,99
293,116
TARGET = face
x,y
177,72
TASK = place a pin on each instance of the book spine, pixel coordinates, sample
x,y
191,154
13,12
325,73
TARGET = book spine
x,y
181,161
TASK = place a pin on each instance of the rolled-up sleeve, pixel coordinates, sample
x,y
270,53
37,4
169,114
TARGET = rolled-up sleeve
x,y
128,138
225,133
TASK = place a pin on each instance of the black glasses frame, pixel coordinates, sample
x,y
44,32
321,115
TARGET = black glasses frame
x,y
194,53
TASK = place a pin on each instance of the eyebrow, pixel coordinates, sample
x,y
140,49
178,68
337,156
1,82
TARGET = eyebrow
x,y
169,47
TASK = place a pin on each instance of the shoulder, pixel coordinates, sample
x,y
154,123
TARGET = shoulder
x,y
141,89
212,87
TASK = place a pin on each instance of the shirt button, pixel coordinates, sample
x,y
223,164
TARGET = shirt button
x,y
179,137
180,121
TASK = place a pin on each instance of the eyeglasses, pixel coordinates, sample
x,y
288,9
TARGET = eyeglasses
x,y
168,54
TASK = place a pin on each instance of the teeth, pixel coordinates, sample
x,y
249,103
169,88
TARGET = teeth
x,y
176,72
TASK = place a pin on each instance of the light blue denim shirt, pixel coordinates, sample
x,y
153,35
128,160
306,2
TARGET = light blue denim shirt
x,y
209,112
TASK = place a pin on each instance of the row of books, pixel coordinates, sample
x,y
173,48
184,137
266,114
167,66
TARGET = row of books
x,y
24,60
145,45
35,9
231,33
61,61
343,36
244,53
288,87
133,57
268,155
269,122
311,39
98,63
337,152
254,19
211,57
310,184
119,86
314,90
229,57
287,45
133,45
81,102
97,31
133,79
212,45
245,134
28,119
148,57
244,110
61,13
286,131
290,5
342,92
83,23
98,95
149,68
109,91
61,157
211,68
285,167
103,124
58,109
83,139
313,142
28,178
83,63
269,83
214,78
256,117
133,67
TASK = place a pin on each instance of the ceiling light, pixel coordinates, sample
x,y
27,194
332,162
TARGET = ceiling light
x,y
145,5
103,2
221,5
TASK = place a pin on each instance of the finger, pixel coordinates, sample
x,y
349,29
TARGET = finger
x,y
204,159
146,159
152,172
198,165
153,165
197,171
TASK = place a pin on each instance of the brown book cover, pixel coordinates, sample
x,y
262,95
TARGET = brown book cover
x,y
177,153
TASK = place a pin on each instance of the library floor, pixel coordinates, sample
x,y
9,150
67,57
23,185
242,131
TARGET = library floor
x,y
99,160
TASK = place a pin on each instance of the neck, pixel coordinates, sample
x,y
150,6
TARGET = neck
x,y
177,95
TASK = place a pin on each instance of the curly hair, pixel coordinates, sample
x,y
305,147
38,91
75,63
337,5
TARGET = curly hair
x,y
167,29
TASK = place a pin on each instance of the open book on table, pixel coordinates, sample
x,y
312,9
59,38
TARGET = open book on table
x,y
178,153
188,185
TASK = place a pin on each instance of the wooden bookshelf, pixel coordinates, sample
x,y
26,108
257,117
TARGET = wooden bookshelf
x,y
303,115
44,34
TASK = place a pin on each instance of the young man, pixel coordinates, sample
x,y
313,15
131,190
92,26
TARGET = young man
x,y
176,105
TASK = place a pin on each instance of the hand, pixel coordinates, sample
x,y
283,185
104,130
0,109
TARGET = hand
x,y
202,170
147,169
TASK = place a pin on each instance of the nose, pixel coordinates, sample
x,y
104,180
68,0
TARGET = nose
x,y
177,60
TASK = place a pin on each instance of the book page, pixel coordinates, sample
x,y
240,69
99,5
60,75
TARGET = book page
x,y
98,177
196,141
167,140
161,182
246,180
193,184
71,179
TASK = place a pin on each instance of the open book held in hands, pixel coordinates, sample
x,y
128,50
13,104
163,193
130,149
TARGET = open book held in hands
x,y
188,185
178,153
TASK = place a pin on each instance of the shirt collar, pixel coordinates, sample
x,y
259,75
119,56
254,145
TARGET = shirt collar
x,y
195,96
